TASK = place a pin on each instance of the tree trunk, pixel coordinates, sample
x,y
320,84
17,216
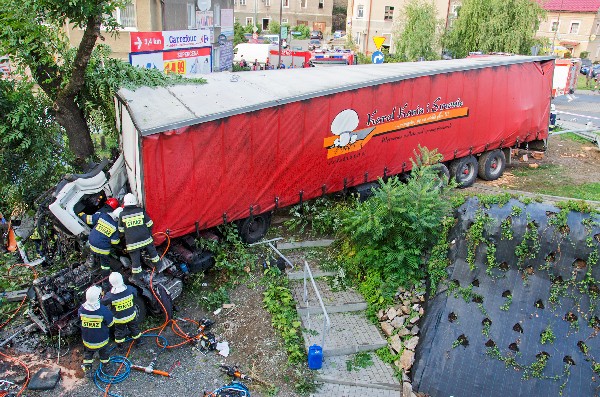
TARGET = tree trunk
x,y
71,118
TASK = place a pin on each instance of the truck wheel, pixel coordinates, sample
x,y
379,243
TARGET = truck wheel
x,y
140,308
491,165
464,171
254,228
443,175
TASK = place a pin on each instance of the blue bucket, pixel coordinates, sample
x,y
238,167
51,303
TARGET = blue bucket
x,y
315,357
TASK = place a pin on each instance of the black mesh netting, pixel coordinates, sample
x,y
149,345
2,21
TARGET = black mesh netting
x,y
482,332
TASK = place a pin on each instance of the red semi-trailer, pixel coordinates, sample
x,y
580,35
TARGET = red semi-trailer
x,y
241,145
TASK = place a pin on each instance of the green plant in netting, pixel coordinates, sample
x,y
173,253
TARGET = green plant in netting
x,y
547,336
475,236
358,361
438,259
506,228
529,247
491,259
389,233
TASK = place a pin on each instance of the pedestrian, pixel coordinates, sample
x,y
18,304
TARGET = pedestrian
x,y
121,301
588,77
267,64
255,65
103,236
95,320
137,227
282,66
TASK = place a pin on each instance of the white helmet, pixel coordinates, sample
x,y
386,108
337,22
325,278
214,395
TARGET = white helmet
x,y
115,214
116,280
92,295
129,199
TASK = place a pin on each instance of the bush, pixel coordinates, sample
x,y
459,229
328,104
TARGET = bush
x,y
389,234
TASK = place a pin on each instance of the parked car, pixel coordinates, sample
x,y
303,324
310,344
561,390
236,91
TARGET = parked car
x,y
338,34
314,44
596,70
585,66
316,34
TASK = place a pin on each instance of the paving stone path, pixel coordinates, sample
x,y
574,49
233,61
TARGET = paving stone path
x,y
350,332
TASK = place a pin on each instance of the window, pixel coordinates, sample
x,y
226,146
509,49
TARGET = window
x,y
267,3
284,21
249,21
125,16
286,3
191,16
598,28
389,13
574,29
360,11
304,23
242,2
303,3
321,3
554,26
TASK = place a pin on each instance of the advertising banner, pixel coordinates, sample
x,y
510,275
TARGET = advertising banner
x,y
227,22
169,40
188,61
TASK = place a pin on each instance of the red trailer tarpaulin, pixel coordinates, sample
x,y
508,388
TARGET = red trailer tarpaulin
x,y
248,160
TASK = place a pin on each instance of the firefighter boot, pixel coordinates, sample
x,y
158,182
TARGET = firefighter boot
x,y
136,279
87,371
160,266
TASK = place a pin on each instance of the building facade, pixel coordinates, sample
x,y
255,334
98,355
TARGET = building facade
x,y
316,14
572,26
369,18
164,15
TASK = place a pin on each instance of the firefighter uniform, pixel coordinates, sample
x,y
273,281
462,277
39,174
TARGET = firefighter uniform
x,y
95,320
121,301
137,227
102,237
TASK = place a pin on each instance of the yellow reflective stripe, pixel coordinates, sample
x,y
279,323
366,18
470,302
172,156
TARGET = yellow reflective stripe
x,y
99,250
125,319
141,244
111,323
155,259
121,229
115,241
150,223
95,345
136,270
123,304
104,361
88,219
137,336
120,340
88,361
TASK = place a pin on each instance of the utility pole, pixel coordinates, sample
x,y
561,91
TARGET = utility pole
x,y
280,15
254,28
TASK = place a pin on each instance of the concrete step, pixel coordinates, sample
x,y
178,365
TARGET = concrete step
x,y
299,275
335,301
336,390
305,244
377,376
349,333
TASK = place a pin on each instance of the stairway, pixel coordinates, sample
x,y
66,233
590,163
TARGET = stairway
x,y
350,333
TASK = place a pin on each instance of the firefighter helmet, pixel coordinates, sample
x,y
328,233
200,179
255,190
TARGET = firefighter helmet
x,y
130,199
112,202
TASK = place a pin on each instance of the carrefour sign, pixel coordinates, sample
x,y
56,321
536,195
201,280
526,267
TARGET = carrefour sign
x,y
169,40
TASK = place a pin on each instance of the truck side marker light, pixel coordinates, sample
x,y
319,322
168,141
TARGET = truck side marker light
x,y
276,202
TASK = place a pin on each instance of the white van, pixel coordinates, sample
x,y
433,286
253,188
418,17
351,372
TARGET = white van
x,y
250,52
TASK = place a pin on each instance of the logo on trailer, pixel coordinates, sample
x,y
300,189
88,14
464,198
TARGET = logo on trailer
x,y
347,138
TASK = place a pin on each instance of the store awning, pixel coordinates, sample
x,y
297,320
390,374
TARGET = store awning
x,y
569,43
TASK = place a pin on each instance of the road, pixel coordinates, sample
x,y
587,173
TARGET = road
x,y
584,107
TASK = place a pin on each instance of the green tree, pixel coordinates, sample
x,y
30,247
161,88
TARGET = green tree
x,y
33,153
31,33
417,36
238,34
494,26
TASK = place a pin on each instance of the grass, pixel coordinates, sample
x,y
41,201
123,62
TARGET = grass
x,y
549,179
581,83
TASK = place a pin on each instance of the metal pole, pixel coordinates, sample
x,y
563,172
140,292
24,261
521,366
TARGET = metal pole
x,y
280,15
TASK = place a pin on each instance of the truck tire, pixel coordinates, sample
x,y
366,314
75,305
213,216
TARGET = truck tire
x,y
491,165
443,175
464,171
253,228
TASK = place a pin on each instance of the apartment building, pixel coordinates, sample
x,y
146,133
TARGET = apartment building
x,y
368,18
164,15
316,14
573,26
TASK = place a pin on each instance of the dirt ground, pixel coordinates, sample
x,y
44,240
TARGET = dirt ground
x,y
246,326
566,161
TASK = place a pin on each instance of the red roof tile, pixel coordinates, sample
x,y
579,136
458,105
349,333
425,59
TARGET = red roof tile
x,y
571,5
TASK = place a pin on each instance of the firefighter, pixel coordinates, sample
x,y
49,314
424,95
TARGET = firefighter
x,y
137,227
110,205
102,237
95,320
120,300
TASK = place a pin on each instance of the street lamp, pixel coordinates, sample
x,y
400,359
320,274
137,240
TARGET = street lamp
x,y
280,15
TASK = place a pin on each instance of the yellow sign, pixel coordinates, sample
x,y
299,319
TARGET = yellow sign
x,y
378,40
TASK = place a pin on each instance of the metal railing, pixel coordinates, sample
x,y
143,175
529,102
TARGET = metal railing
x,y
274,248
326,321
